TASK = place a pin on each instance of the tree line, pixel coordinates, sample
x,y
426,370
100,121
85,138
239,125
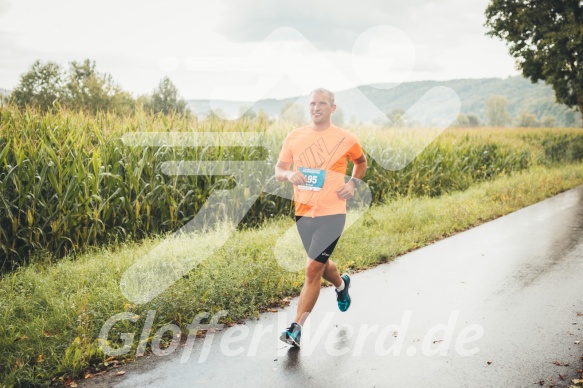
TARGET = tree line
x,y
497,115
546,39
81,87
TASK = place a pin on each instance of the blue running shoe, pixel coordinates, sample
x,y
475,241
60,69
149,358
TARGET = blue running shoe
x,y
292,335
342,297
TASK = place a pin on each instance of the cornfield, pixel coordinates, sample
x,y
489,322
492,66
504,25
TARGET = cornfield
x,y
68,181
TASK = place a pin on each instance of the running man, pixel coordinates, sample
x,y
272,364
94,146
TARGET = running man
x,y
319,153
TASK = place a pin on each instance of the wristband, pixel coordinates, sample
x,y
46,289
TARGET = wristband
x,y
356,182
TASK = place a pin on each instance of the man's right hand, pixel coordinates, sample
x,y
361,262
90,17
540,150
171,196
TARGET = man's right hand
x,y
283,173
296,178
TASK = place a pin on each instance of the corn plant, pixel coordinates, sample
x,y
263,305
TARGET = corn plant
x,y
68,182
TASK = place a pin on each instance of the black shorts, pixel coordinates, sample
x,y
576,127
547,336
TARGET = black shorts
x,y
320,234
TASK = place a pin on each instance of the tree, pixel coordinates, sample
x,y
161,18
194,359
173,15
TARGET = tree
x,y
143,101
262,117
165,98
338,117
395,115
473,120
546,38
293,113
461,121
93,91
527,120
122,102
354,120
466,121
41,86
80,88
572,119
497,111
216,114
84,89
4,97
246,112
548,121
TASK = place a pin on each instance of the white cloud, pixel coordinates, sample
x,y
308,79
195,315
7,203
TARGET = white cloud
x,y
139,42
336,25
5,6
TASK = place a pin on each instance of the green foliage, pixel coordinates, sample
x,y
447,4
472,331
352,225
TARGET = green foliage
x,y
394,115
527,120
165,98
68,182
561,148
91,91
51,315
42,86
247,112
497,112
338,117
216,115
461,121
262,118
466,121
293,113
546,38
548,122
522,95
81,88
473,120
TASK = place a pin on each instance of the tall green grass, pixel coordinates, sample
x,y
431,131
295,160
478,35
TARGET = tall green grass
x,y
51,315
68,181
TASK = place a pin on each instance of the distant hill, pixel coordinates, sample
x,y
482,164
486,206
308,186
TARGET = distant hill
x,y
522,95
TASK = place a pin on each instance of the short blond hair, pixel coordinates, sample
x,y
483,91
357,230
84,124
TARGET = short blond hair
x,y
324,91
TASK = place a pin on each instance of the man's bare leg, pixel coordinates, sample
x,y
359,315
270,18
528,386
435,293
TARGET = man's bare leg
x,y
310,290
331,274
315,271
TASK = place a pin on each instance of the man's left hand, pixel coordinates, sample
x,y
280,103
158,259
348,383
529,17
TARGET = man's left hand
x,y
347,191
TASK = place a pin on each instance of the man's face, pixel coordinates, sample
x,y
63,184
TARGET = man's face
x,y
320,108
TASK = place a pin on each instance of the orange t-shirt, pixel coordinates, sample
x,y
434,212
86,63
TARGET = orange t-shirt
x,y
327,150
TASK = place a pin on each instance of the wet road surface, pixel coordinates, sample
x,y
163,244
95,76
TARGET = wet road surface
x,y
500,305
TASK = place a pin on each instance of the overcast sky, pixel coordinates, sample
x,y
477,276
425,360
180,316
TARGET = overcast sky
x,y
253,49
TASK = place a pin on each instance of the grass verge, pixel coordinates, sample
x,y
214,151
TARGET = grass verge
x,y
51,314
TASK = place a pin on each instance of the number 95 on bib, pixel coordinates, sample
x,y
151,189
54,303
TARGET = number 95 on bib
x,y
314,179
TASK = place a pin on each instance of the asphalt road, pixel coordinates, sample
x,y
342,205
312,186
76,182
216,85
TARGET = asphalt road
x,y
500,305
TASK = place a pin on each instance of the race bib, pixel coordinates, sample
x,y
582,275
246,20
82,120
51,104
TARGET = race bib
x,y
314,179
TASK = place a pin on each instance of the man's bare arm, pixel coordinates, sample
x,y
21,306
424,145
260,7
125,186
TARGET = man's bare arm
x,y
284,174
360,167
358,171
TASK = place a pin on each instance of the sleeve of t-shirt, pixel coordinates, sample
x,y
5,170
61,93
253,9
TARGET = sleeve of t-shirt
x,y
355,151
285,155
